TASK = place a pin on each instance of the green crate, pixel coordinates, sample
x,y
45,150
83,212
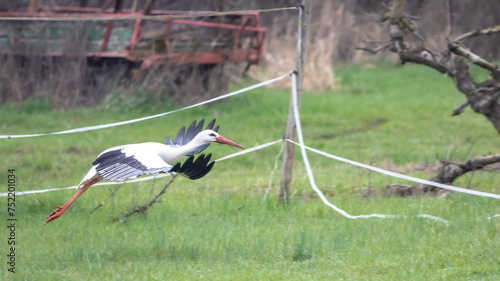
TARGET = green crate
x,y
57,32
5,42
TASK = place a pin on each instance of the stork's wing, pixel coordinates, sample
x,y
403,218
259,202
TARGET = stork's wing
x,y
121,163
194,170
184,137
130,161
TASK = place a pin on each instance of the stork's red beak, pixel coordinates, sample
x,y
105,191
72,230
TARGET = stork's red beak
x,y
223,140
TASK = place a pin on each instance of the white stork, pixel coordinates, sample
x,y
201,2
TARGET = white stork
x,y
133,160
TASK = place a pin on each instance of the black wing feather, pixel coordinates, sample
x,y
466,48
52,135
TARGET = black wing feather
x,y
198,128
180,136
184,136
169,142
190,133
210,125
187,164
194,169
202,167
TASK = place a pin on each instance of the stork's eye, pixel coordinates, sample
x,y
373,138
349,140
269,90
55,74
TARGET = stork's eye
x,y
212,134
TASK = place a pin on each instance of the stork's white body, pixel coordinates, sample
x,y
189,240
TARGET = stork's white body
x,y
146,152
153,155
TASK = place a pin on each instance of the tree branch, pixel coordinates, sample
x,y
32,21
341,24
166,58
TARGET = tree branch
x,y
448,173
477,32
104,201
475,59
476,163
459,109
375,50
142,208
427,58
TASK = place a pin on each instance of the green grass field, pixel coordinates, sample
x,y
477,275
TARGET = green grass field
x,y
220,228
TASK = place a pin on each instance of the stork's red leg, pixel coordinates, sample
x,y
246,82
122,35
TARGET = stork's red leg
x,y
60,210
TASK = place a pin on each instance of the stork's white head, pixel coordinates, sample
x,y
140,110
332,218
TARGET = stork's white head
x,y
209,136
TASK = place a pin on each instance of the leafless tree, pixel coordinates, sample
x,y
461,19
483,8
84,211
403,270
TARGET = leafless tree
x,y
454,60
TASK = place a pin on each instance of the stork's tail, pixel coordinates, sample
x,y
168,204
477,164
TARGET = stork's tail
x,y
90,179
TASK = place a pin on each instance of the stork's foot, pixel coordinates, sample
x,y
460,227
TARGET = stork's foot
x,y
54,215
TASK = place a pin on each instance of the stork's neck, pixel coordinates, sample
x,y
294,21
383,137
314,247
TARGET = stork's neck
x,y
192,145
178,153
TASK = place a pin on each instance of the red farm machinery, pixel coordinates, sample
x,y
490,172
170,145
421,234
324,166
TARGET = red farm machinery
x,y
137,40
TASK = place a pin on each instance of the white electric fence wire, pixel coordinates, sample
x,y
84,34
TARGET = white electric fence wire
x,y
426,216
258,147
248,150
75,186
494,216
310,173
274,170
141,16
405,177
97,127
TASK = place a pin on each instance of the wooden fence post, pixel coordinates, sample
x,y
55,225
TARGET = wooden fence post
x,y
291,130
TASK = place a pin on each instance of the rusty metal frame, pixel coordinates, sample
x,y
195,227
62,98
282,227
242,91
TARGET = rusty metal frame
x,y
236,54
